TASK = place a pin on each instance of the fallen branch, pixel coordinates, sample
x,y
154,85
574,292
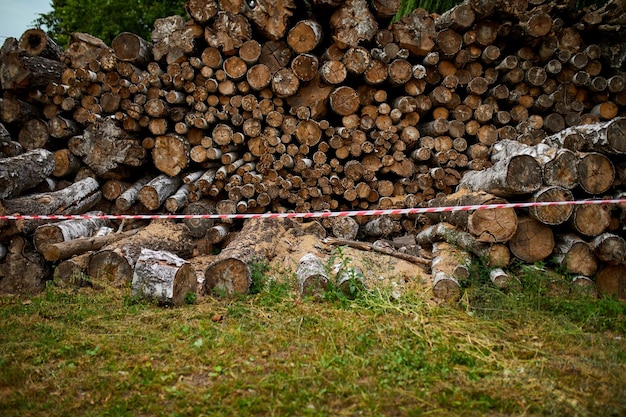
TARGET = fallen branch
x,y
370,247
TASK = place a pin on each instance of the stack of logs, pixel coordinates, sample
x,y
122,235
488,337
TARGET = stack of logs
x,y
267,106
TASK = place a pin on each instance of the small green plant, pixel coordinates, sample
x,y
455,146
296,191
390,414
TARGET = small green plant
x,y
191,297
258,273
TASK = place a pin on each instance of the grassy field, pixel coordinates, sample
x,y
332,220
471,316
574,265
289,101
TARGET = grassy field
x,y
86,352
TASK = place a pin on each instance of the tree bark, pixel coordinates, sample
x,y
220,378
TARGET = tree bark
x,y
66,249
66,230
609,248
450,267
21,172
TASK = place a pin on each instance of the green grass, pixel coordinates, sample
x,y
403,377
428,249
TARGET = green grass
x,y
85,352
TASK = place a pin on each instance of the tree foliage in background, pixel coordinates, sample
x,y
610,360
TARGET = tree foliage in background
x,y
105,19
440,6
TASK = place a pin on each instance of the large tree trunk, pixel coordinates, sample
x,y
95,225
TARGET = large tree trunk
x,y
230,273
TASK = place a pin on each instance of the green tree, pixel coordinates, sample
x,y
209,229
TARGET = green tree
x,y
106,19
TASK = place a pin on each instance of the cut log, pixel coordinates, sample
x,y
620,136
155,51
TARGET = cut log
x,y
604,137
490,225
312,276
590,219
533,241
305,36
20,69
67,230
502,280
23,270
345,228
230,273
72,272
450,268
552,215
201,10
171,154
66,249
21,172
172,38
575,255
199,227
106,147
596,173
163,277
128,197
519,174
132,48
496,255
69,200
611,281
271,18
154,193
415,32
609,248
114,263
37,42
352,24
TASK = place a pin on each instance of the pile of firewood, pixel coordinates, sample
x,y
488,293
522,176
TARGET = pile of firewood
x,y
249,107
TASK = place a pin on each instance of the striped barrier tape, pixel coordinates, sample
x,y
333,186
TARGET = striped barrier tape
x,y
322,214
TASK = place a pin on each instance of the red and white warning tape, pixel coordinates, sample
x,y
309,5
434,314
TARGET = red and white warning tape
x,y
416,210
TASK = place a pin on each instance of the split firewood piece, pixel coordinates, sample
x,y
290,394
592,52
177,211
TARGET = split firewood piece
x,y
314,96
66,249
450,268
171,154
609,248
270,17
611,281
230,273
23,270
130,195
20,69
606,137
173,38
84,50
67,230
154,193
114,263
497,255
201,10
575,255
163,277
21,172
519,174
533,241
596,172
487,225
353,23
590,219
37,42
132,48
106,148
312,276
228,32
552,215
415,32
